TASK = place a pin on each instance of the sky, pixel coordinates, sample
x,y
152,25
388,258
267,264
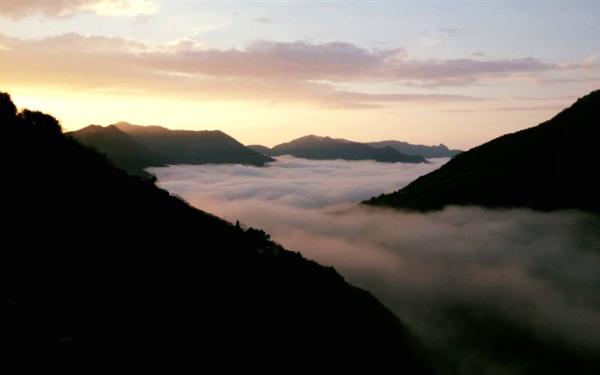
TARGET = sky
x,y
535,271
430,72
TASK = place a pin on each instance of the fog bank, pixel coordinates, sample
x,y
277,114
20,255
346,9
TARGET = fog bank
x,y
526,271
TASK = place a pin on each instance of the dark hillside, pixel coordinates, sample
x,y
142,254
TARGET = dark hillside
x,y
547,167
102,264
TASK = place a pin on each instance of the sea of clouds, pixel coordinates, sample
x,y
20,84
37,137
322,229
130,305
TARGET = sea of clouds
x,y
537,271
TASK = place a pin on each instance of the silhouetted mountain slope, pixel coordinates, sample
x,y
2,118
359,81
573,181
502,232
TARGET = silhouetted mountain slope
x,y
193,147
321,148
547,167
107,266
134,148
119,147
260,149
440,151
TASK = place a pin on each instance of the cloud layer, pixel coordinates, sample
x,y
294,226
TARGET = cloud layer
x,y
16,9
297,72
521,270
293,71
292,182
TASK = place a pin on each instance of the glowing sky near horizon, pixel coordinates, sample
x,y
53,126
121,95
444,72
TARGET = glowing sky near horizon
x,y
460,73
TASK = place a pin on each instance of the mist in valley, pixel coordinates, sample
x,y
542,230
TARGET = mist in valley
x,y
466,279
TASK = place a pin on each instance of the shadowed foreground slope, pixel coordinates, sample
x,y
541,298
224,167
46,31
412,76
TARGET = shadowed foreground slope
x,y
547,167
112,266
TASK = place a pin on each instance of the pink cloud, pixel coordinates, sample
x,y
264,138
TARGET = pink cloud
x,y
297,71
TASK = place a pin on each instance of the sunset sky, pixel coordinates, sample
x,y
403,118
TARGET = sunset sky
x,y
453,72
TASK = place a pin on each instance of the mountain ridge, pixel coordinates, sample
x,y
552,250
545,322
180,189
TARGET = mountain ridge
x,y
120,148
439,151
154,146
327,148
544,167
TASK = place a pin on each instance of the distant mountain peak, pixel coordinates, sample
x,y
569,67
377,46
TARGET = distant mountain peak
x,y
327,148
94,129
130,128
439,151
136,147
310,137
